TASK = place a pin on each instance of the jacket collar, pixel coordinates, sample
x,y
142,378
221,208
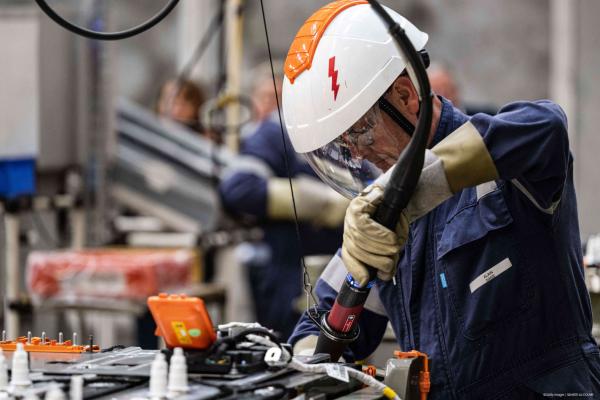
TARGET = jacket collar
x,y
450,119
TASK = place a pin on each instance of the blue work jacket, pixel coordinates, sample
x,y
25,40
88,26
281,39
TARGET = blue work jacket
x,y
490,283
275,280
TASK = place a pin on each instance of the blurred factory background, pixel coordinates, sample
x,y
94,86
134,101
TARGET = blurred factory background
x,y
111,176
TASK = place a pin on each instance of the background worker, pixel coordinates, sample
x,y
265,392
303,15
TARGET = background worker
x,y
263,97
444,83
258,188
484,269
181,102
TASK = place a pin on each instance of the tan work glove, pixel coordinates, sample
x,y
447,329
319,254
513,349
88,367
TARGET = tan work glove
x,y
316,202
467,161
460,160
366,242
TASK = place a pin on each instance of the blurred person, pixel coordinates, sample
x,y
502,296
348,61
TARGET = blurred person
x,y
264,96
180,101
258,187
483,271
443,83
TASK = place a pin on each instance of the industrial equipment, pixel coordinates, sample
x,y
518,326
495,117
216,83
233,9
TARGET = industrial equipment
x,y
163,170
166,171
19,126
241,360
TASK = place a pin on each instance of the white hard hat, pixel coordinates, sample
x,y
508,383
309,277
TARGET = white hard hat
x,y
341,62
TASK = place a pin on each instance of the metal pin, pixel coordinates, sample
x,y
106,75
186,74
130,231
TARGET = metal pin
x,y
74,338
60,338
43,337
4,336
28,337
91,350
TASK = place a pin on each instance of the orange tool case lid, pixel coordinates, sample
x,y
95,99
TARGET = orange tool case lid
x,y
182,321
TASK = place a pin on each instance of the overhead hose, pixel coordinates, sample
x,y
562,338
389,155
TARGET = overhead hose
x,y
90,34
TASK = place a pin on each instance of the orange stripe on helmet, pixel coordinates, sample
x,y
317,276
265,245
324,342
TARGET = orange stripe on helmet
x,y
304,45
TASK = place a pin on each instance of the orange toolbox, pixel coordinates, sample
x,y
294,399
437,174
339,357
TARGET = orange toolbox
x,y
182,321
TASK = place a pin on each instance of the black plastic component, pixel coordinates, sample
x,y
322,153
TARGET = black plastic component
x,y
91,344
353,296
22,306
225,357
333,342
396,115
244,361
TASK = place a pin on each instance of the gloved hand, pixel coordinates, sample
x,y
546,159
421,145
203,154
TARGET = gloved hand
x,y
316,202
460,160
366,242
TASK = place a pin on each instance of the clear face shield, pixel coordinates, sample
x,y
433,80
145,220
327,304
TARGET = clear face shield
x,y
357,157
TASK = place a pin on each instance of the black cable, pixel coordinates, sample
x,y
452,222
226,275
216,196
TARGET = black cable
x,y
305,277
222,58
224,343
396,116
90,34
408,168
256,331
213,28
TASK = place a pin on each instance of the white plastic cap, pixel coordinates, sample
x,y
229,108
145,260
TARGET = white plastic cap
x,y
20,368
76,387
158,377
178,379
54,393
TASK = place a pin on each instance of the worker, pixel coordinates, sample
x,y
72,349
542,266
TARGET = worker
x,y
484,270
257,187
443,82
264,95
180,101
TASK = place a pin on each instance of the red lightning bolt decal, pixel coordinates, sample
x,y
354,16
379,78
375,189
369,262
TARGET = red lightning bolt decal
x,y
333,74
